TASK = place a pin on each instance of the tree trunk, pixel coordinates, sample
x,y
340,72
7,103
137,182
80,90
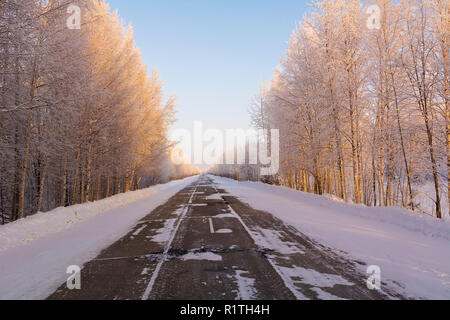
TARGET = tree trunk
x,y
75,178
64,181
23,173
108,185
88,174
42,184
402,142
434,166
444,21
16,177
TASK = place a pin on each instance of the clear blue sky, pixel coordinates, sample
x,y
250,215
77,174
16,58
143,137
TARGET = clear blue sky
x,y
212,54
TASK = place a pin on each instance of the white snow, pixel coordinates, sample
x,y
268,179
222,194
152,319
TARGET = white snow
x,y
271,239
412,249
224,231
136,233
425,196
246,286
163,235
201,256
35,252
214,196
225,215
323,295
315,278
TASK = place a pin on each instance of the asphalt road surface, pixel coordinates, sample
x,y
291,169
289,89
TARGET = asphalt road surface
x,y
204,244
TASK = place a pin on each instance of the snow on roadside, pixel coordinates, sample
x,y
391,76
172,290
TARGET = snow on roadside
x,y
35,252
411,249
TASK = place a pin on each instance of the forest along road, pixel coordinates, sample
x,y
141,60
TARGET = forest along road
x,y
205,244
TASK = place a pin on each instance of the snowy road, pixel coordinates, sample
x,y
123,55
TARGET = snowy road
x,y
206,244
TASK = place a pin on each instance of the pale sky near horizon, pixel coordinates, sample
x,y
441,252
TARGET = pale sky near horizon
x,y
212,54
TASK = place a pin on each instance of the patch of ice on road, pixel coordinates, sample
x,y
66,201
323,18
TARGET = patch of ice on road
x,y
314,278
139,230
323,295
163,234
215,196
272,239
201,256
246,286
225,215
224,231
145,271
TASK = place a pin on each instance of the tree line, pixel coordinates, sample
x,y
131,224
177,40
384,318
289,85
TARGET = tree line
x,y
80,119
362,105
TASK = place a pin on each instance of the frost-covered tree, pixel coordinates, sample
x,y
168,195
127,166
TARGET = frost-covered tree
x,y
80,119
363,112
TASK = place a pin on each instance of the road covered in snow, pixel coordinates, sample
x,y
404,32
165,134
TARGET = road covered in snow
x,y
211,238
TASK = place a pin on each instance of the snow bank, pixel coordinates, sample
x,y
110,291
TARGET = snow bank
x,y
413,250
35,252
